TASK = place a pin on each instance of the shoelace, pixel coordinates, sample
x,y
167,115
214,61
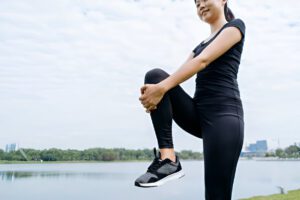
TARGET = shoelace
x,y
156,163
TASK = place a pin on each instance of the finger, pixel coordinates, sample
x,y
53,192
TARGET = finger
x,y
152,107
144,102
143,88
147,105
142,98
149,109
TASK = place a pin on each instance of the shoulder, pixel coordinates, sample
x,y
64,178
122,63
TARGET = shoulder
x,y
238,23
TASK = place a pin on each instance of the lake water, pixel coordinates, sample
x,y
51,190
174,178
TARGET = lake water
x,y
115,180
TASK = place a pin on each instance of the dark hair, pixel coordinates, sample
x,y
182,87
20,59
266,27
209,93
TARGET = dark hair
x,y
228,13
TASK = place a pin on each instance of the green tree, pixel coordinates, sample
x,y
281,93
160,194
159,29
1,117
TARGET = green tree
x,y
1,154
280,153
292,151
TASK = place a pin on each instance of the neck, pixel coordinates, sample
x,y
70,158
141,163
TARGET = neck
x,y
217,25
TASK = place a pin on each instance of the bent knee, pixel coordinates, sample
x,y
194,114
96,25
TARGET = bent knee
x,y
155,75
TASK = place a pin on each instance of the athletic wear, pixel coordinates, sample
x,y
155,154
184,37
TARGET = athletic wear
x,y
219,78
160,172
215,114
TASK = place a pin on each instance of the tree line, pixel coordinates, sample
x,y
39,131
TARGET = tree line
x,y
292,151
116,154
92,154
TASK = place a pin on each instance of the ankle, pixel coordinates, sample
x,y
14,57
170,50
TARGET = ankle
x,y
168,153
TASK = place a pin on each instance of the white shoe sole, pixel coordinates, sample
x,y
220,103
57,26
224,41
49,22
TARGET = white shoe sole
x,y
164,180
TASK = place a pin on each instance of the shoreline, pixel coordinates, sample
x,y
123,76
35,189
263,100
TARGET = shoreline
x,y
270,159
93,161
61,162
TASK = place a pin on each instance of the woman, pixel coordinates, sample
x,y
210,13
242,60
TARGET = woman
x,y
214,114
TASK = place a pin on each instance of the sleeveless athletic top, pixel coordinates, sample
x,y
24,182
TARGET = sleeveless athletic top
x,y
218,81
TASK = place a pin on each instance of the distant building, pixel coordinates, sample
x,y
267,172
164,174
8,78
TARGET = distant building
x,y
11,147
259,148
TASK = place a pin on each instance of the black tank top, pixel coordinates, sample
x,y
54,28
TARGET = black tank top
x,y
218,81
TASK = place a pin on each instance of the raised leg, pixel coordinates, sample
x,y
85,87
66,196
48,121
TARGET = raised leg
x,y
176,104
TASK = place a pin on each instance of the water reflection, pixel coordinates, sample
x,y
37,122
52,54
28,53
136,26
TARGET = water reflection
x,y
13,175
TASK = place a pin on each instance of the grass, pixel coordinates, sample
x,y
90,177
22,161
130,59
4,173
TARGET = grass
x,y
291,195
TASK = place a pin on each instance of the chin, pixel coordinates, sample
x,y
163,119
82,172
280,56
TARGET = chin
x,y
207,19
204,19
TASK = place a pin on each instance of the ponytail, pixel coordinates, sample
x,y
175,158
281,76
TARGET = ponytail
x,y
228,13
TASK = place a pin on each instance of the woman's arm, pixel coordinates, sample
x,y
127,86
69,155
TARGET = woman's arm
x,y
222,43
191,56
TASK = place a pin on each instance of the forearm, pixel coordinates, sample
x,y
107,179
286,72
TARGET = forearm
x,y
186,71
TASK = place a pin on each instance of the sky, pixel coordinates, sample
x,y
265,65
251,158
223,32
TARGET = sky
x,y
71,70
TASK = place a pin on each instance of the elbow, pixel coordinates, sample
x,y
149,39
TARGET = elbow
x,y
202,62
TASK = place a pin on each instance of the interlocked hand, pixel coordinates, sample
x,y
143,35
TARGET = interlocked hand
x,y
151,96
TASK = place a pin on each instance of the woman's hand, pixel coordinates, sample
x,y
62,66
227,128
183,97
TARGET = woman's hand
x,y
151,96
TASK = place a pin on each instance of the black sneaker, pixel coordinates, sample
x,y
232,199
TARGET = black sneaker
x,y
160,172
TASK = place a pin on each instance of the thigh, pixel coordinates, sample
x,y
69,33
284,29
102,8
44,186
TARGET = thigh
x,y
184,111
222,144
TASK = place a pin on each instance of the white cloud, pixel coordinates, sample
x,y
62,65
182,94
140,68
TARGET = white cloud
x,y
70,71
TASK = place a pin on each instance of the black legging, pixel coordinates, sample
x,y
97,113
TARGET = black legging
x,y
220,127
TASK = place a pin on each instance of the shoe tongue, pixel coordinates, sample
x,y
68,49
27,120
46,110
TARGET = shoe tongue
x,y
159,158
